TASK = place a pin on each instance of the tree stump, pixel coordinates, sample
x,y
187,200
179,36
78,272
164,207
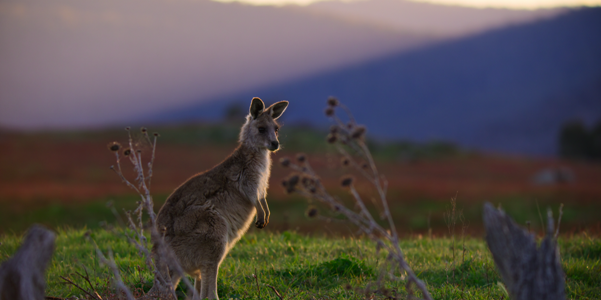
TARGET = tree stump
x,y
22,276
527,272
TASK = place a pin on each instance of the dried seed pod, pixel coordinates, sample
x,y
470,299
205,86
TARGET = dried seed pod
x,y
331,138
334,129
345,161
127,152
301,157
312,212
287,186
143,130
347,181
307,181
114,146
358,132
293,180
284,161
127,128
332,101
329,111
156,134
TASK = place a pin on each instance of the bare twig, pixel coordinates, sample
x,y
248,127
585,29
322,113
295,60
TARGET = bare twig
x,y
165,260
542,224
558,221
110,262
257,281
275,291
87,279
69,281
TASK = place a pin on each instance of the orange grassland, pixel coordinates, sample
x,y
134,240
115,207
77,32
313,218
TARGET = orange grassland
x,y
50,179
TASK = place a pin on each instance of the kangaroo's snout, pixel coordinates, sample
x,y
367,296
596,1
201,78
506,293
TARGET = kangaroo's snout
x,y
275,145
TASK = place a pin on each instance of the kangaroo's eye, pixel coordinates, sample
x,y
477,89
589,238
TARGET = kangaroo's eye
x,y
262,129
277,129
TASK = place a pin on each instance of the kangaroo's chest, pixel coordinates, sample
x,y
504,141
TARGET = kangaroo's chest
x,y
254,180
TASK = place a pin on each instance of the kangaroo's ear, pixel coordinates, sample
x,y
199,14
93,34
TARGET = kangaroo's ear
x,y
256,107
277,109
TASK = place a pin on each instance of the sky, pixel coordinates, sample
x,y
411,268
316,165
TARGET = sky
x,y
511,4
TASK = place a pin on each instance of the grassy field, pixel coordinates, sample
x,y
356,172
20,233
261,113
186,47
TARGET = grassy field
x,y
62,180
305,267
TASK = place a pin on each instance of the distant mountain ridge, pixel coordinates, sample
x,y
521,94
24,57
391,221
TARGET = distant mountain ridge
x,y
429,18
506,90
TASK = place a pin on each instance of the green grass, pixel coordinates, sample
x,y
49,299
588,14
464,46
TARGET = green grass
x,y
288,213
304,267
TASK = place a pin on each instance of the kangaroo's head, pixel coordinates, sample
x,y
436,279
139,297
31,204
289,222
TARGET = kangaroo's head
x,y
261,128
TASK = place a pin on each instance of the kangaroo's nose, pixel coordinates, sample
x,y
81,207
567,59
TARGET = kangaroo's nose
x,y
275,144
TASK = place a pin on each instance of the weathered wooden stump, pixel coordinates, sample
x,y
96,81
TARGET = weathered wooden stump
x,y
527,272
22,276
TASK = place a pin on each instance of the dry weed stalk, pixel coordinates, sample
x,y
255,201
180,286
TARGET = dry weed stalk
x,y
157,245
305,182
451,216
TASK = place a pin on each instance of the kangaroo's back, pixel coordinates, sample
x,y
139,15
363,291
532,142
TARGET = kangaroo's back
x,y
226,189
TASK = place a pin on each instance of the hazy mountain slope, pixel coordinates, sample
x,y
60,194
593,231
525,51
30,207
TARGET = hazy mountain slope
x,y
442,20
506,90
81,63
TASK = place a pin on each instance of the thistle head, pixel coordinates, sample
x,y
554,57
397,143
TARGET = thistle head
x,y
332,101
312,212
114,146
347,181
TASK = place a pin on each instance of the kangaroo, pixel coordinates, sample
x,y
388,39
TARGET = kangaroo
x,y
206,215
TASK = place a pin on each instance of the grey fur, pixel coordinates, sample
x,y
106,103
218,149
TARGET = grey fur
x,y
205,216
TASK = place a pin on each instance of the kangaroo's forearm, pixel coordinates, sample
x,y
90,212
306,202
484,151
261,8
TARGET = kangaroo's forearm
x,y
262,213
263,202
260,210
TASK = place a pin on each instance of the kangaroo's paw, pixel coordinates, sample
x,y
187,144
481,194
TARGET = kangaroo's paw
x,y
260,224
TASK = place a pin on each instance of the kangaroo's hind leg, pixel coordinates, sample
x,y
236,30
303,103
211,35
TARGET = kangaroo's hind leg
x,y
213,253
206,247
209,283
197,284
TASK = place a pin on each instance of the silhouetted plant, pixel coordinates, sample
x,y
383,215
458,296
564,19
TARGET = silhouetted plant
x,y
350,138
141,184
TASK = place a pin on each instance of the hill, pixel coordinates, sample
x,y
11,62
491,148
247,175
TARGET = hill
x,y
73,64
435,19
104,62
506,90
